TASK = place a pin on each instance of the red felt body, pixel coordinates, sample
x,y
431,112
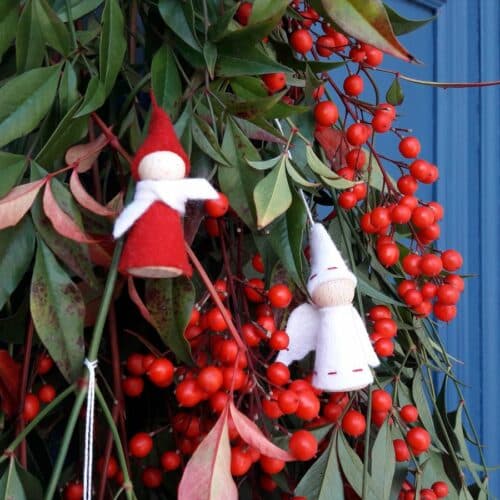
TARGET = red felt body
x,y
156,240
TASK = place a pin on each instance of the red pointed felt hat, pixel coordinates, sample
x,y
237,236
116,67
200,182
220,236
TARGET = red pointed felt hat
x,y
161,137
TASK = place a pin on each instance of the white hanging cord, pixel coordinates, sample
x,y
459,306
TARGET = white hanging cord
x,y
308,210
89,431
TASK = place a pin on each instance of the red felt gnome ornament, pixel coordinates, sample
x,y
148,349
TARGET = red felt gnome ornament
x,y
154,247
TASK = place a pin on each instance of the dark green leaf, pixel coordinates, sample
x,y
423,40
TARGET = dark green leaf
x,y
79,8
11,487
210,55
17,245
434,470
94,97
272,196
112,44
238,180
13,327
401,25
9,11
395,94
170,302
173,14
297,177
58,310
69,131
206,140
383,461
68,90
221,27
166,81
73,254
30,483
367,289
25,100
30,46
12,168
53,29
286,236
324,476
367,21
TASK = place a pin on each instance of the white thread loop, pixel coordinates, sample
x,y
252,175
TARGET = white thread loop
x,y
89,431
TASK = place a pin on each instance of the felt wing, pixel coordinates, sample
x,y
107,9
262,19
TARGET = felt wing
x,y
302,329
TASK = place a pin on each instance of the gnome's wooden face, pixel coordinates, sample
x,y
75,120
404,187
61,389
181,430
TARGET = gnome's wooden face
x,y
162,165
336,292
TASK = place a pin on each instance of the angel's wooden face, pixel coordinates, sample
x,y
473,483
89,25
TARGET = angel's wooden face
x,y
334,293
162,165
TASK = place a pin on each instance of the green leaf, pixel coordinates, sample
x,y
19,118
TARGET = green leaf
x,y
170,302
206,140
221,26
240,61
95,96
79,8
9,11
395,94
272,196
11,487
324,476
238,180
402,25
328,177
58,310
210,55
112,44
353,468
367,21
383,461
73,254
166,81
367,289
25,100
297,177
265,164
30,47
17,245
68,90
30,483
12,168
53,29
173,14
68,132
286,236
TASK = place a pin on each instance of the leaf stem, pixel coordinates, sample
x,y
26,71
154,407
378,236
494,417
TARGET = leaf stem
x,y
71,24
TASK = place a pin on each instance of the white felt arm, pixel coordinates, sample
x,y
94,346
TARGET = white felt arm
x,y
360,330
200,189
302,328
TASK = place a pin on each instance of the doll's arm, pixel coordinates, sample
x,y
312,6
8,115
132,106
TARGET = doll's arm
x,y
302,328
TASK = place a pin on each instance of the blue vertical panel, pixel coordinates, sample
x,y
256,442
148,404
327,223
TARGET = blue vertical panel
x,y
468,152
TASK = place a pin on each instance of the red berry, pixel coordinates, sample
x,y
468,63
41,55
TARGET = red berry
x,y
448,294
254,290
271,465
250,335
381,400
427,494
257,263
112,468
360,191
385,327
318,92
301,41
384,347
456,281
409,147
189,393
243,13
355,158
210,379
381,122
217,208
379,312
409,414
353,85
140,445
421,170
73,491
380,217
401,450
271,408
309,404
354,423
288,401
278,373
385,107
407,184
452,260
441,489
326,113
413,298
429,290
404,286
431,265
216,321
152,477
31,407
418,439
279,340
422,217
388,254
212,227
357,134
357,55
227,351
45,364
132,386
303,445
411,264
274,82
444,312
241,461
170,460
332,412
374,57
161,372
46,393
438,209
325,45
279,296
347,200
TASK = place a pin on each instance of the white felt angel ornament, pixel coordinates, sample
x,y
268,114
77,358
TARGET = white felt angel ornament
x,y
331,326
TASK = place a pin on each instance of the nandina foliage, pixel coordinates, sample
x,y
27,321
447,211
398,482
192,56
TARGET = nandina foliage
x,y
270,99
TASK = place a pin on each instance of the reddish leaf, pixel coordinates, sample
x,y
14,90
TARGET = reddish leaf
x,y
17,202
85,200
61,221
136,299
367,21
253,436
84,155
207,475
100,255
9,383
334,144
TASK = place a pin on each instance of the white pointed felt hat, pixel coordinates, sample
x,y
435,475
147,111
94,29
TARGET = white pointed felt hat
x,y
327,263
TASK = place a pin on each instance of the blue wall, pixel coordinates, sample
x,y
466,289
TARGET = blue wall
x,y
459,129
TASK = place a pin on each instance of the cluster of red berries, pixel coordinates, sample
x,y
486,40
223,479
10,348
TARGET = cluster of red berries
x,y
160,371
438,490
384,330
